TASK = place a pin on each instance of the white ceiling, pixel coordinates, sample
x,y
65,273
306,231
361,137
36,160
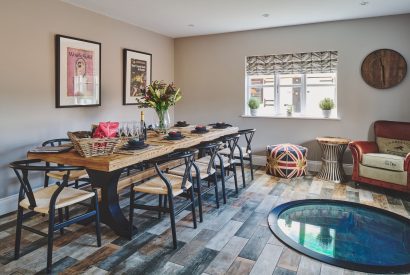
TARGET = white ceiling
x,y
173,17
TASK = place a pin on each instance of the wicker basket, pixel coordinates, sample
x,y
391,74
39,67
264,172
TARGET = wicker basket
x,y
91,147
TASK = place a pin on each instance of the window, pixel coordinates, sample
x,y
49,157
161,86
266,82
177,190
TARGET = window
x,y
296,81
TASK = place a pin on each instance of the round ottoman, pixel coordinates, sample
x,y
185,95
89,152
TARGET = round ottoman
x,y
286,160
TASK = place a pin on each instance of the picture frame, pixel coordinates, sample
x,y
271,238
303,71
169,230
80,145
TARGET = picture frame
x,y
137,74
78,72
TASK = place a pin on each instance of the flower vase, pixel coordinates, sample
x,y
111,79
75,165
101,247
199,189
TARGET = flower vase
x,y
163,121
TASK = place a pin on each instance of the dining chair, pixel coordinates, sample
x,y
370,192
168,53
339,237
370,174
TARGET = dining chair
x,y
203,172
225,163
49,199
168,186
243,153
75,176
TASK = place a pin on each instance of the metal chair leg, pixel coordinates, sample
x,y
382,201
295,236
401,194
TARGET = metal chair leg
x,y
159,205
235,178
97,219
50,237
191,191
199,200
67,213
172,216
216,194
251,164
18,232
61,219
243,173
131,214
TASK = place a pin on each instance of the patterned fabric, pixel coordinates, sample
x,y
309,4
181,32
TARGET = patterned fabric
x,y
393,146
314,62
286,160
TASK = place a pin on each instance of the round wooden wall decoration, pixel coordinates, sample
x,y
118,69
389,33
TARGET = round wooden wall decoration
x,y
383,69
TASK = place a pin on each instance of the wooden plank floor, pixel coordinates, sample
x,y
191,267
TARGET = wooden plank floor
x,y
233,239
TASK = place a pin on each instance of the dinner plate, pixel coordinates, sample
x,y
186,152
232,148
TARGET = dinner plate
x,y
199,132
129,147
173,138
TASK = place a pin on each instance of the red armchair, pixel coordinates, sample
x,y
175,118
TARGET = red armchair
x,y
386,161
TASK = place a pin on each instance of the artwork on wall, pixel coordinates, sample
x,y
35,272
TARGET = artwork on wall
x,y
136,75
78,72
384,68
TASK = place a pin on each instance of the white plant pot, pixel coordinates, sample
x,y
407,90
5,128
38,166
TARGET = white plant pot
x,y
326,113
254,112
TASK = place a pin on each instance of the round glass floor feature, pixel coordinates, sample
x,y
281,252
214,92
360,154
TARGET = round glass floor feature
x,y
349,235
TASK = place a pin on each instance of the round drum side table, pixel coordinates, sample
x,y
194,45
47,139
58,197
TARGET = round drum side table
x,y
332,156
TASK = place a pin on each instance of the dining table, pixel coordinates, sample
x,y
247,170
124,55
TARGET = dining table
x,y
106,172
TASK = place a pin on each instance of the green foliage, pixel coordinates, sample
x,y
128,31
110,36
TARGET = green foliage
x,y
159,96
326,104
253,103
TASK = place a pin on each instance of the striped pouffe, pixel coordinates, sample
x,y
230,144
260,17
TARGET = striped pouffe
x,y
286,160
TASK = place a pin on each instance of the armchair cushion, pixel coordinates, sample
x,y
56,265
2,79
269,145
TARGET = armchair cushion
x,y
384,161
393,146
363,147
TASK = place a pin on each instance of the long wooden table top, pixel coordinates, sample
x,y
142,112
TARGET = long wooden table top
x,y
118,160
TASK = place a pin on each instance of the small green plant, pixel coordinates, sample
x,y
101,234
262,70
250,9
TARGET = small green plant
x,y
326,104
253,103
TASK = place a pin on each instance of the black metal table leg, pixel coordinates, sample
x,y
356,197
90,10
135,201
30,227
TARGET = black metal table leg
x,y
110,211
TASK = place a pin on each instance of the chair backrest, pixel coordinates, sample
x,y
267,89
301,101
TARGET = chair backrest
x,y
392,137
187,155
56,142
231,142
23,167
248,133
211,149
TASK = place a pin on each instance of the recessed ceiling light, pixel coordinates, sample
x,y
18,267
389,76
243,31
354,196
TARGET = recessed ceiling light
x,y
265,15
364,3
191,25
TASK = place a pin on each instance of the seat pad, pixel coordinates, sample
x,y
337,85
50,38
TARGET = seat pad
x,y
74,175
225,160
384,161
203,170
157,185
67,197
227,151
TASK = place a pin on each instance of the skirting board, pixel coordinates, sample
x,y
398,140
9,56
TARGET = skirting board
x,y
313,165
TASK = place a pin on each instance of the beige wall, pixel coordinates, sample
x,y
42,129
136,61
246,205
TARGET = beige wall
x,y
211,72
27,95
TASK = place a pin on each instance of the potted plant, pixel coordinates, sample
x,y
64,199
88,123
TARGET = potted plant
x,y
326,105
289,109
160,96
253,104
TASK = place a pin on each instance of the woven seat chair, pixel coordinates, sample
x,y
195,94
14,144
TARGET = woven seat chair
x,y
225,164
201,171
49,199
168,186
75,176
243,153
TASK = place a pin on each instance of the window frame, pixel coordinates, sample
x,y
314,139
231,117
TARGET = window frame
x,y
303,89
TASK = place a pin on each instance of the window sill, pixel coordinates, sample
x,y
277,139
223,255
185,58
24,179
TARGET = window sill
x,y
292,117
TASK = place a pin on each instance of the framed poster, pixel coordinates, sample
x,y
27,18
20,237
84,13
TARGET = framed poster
x,y
136,75
78,72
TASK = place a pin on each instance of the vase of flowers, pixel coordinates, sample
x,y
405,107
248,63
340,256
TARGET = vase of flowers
x,y
160,96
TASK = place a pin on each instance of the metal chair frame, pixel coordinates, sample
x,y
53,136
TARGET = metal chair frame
x,y
248,133
21,169
59,142
188,157
208,148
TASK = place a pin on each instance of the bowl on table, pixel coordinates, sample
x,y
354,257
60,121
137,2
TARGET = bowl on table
x,y
181,124
200,129
135,144
221,125
174,135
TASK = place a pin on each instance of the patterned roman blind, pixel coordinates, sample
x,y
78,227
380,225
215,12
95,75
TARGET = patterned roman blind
x,y
314,62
